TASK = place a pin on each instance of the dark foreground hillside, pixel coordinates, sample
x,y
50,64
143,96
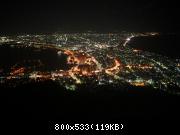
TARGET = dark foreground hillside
x,y
39,105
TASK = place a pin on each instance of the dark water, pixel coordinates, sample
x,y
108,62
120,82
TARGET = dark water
x,y
165,44
39,59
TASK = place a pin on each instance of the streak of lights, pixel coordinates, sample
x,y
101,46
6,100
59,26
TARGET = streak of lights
x,y
141,84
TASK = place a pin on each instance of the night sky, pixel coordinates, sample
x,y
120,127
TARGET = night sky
x,y
32,17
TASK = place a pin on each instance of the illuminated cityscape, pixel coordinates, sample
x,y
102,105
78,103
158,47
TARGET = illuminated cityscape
x,y
91,59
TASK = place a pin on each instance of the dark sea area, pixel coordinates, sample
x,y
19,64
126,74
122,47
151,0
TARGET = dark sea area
x,y
164,44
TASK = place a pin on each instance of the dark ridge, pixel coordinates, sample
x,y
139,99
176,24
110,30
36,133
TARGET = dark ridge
x,y
38,106
50,101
